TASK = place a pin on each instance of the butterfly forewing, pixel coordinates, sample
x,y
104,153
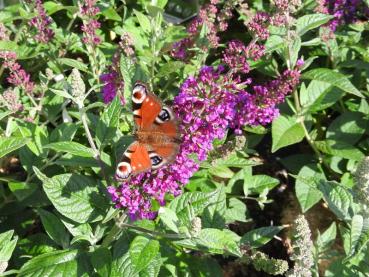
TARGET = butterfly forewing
x,y
146,106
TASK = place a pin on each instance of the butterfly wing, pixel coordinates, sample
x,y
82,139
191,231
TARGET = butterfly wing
x,y
146,106
135,159
166,125
157,122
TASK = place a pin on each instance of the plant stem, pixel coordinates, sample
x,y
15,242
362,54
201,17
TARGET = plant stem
x,y
92,143
155,233
114,232
302,122
47,164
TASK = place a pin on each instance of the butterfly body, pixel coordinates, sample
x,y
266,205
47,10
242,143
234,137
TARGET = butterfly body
x,y
156,136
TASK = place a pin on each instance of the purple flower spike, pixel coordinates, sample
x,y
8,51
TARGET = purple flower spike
x,y
207,105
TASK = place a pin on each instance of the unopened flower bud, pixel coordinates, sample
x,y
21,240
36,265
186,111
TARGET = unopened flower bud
x,y
196,226
78,87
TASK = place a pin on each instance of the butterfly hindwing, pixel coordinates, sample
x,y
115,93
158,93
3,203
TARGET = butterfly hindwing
x,y
135,159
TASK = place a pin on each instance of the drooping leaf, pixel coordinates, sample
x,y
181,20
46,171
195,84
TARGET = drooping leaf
x,y
340,149
236,211
65,261
213,216
214,241
71,147
144,21
101,261
142,251
7,246
169,218
333,78
197,201
307,192
107,125
311,21
348,127
75,196
11,144
54,228
260,236
286,131
339,200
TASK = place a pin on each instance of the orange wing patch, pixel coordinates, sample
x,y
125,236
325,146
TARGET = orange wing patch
x,y
139,156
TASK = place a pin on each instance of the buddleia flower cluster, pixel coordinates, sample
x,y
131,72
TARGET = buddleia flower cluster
x,y
88,11
215,18
302,249
207,105
41,23
17,75
344,11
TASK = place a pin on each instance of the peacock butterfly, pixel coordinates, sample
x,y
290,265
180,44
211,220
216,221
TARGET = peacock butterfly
x,y
156,135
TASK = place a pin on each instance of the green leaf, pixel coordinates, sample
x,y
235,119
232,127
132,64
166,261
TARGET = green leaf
x,y
71,147
333,78
73,64
258,183
37,137
359,234
339,200
101,261
144,21
214,241
273,43
311,21
64,132
22,190
54,228
48,264
339,149
293,51
169,68
142,251
107,125
122,264
169,218
79,230
75,196
213,215
111,14
320,95
260,236
356,230
11,144
233,160
236,211
324,240
62,93
197,201
307,192
153,269
127,70
286,131
221,172
348,127
7,246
